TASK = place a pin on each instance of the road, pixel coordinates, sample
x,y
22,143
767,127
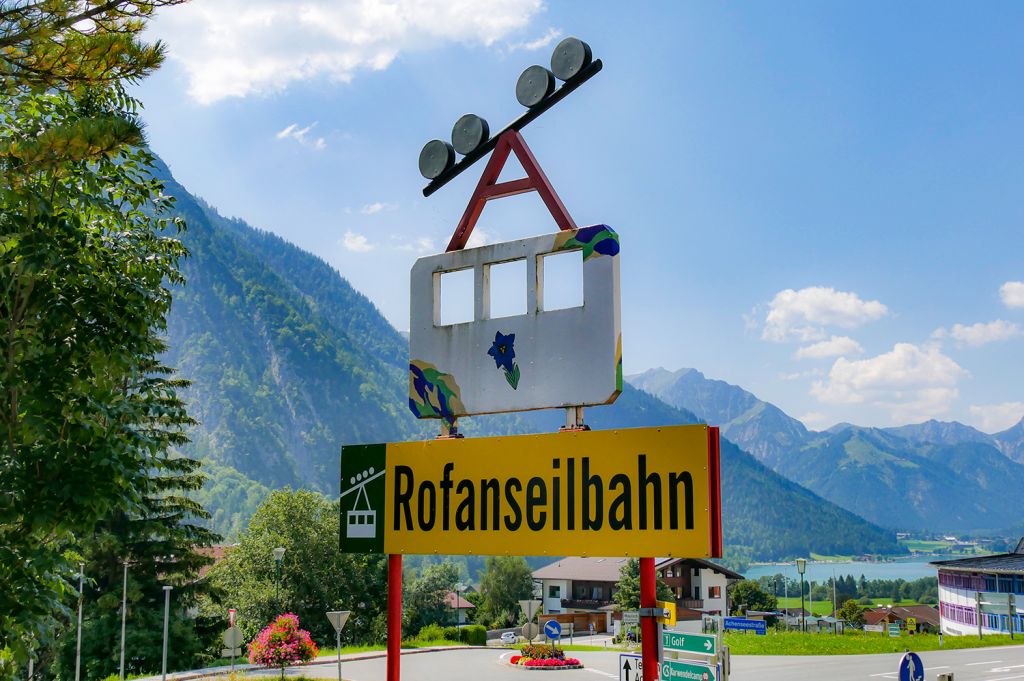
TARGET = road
x,y
982,664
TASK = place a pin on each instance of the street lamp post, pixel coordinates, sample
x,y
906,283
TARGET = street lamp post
x,y
278,557
801,565
167,615
124,610
81,598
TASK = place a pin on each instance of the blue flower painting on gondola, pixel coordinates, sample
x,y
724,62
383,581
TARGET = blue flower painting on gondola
x,y
504,353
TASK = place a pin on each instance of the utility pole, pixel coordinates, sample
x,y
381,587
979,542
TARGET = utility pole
x,y
835,607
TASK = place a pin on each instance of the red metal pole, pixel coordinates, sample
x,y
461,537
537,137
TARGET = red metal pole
x,y
648,627
394,662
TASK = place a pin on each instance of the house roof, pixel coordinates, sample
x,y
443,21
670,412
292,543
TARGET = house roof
x,y
452,600
584,569
1012,563
698,563
925,614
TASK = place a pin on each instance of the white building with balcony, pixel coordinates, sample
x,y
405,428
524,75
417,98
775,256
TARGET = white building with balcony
x,y
980,594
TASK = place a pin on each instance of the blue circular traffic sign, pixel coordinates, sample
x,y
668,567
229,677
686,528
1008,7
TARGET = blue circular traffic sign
x,y
911,668
552,629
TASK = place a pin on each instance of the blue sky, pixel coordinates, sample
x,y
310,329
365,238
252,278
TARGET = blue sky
x,y
818,201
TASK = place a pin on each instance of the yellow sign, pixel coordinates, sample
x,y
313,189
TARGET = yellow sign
x,y
911,624
669,621
631,492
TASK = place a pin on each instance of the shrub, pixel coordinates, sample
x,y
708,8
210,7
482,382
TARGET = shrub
x,y
431,632
282,643
451,633
474,635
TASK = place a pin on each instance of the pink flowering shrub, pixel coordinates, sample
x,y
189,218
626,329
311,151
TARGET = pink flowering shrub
x,y
282,643
552,662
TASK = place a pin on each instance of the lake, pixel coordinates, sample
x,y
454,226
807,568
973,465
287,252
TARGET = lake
x,y
908,569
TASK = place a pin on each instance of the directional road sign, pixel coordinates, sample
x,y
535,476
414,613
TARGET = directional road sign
x,y
631,667
552,629
760,627
686,642
232,638
911,668
631,617
690,671
894,629
338,618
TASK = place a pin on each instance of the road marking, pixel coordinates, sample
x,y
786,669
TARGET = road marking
x,y
598,671
1006,678
971,664
888,675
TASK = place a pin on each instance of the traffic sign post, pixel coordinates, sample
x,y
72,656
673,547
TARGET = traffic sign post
x,y
911,668
685,642
631,667
553,630
894,629
630,617
232,641
688,670
338,618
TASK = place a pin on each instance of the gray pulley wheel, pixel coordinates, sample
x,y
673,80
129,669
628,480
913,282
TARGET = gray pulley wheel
x,y
436,157
469,132
571,56
534,86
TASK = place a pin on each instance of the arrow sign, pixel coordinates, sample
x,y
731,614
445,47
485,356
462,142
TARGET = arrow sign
x,y
631,667
689,671
685,642
552,629
338,619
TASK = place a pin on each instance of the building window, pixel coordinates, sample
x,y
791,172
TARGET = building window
x,y
714,592
696,572
554,591
696,593
596,593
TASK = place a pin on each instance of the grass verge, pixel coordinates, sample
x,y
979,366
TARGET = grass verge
x,y
853,643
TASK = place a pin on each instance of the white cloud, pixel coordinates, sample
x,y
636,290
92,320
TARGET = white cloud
x,y
236,48
539,43
378,207
834,347
301,135
980,334
423,244
1012,293
479,238
815,420
803,315
992,418
911,382
357,243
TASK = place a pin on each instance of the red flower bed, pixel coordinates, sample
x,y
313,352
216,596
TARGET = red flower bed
x,y
552,662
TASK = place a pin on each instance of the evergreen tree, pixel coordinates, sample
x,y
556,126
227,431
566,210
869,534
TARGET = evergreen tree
x,y
84,265
627,589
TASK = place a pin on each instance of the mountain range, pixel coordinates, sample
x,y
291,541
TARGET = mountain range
x,y
287,362
933,476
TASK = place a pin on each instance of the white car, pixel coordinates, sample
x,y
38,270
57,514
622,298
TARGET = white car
x,y
508,637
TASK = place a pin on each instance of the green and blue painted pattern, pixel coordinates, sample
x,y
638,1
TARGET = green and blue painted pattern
x,y
593,240
432,393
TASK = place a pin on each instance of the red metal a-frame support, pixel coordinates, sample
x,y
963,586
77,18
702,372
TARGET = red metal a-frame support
x,y
489,188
